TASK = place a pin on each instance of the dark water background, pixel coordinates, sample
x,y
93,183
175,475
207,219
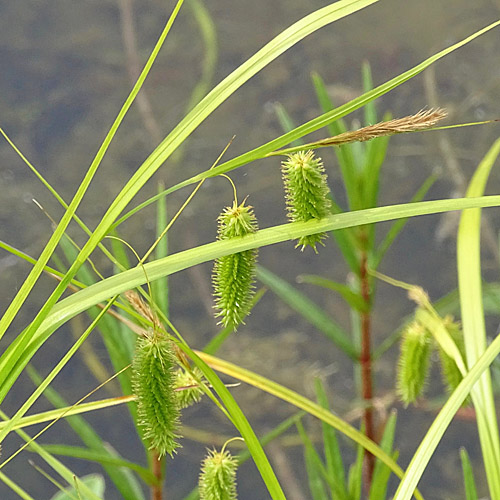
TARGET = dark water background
x,y
63,78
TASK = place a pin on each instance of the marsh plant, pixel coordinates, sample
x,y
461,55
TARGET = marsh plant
x,y
160,373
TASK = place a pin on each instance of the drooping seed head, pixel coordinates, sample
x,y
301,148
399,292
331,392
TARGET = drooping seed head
x,y
306,192
218,476
234,275
413,366
451,374
153,383
187,387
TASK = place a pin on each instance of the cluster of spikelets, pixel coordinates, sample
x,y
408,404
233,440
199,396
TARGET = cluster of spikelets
x,y
234,275
153,384
414,361
306,192
187,386
161,389
218,476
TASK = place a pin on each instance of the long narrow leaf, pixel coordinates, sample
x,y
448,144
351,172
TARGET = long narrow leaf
x,y
314,467
30,281
241,423
314,124
105,459
15,487
13,361
125,482
56,465
333,456
440,424
469,483
381,472
353,299
305,404
355,477
308,309
469,283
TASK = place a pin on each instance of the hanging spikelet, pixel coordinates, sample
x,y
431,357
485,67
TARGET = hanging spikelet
x,y
153,382
451,374
234,275
306,192
187,387
218,476
413,364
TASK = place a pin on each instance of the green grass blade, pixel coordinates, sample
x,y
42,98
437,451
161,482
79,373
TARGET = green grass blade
x,y
353,299
286,121
469,483
305,404
14,359
124,481
241,423
440,424
355,477
308,309
312,125
370,110
315,469
333,456
15,487
469,282
105,459
381,472
398,226
30,281
119,250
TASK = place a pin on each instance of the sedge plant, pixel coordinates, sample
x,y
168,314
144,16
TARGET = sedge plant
x,y
164,363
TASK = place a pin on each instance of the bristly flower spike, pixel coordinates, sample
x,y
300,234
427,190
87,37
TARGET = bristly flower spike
x,y
413,365
153,383
187,386
306,192
451,374
218,476
234,275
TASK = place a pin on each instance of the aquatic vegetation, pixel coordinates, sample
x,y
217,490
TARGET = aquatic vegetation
x,y
160,366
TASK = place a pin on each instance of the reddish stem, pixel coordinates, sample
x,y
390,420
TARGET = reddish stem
x,y
157,466
366,368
